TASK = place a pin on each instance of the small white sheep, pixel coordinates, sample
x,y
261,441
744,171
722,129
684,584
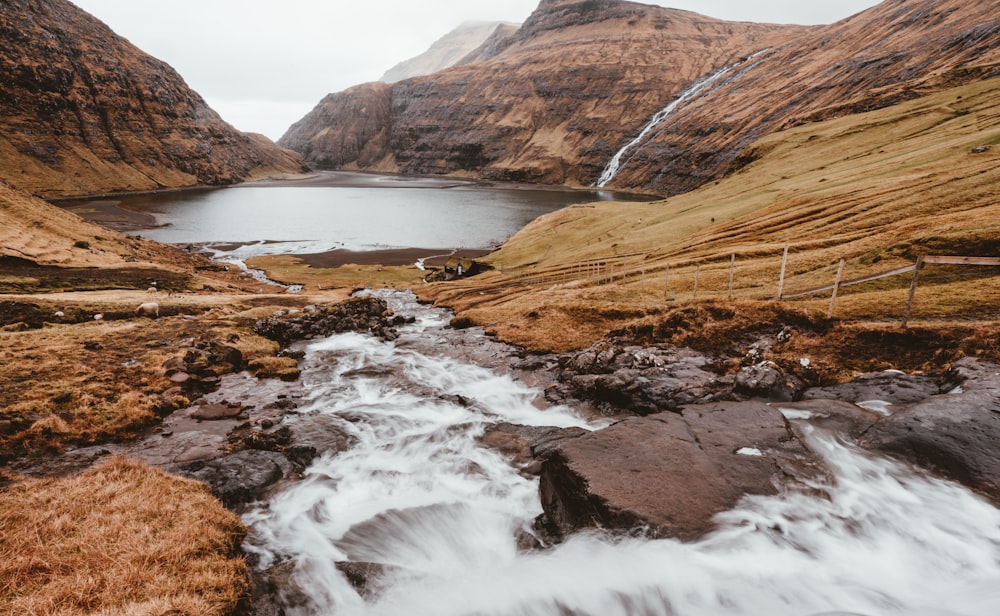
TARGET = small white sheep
x,y
148,309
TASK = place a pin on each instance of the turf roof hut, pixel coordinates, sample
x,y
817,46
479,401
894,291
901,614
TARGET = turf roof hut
x,y
459,267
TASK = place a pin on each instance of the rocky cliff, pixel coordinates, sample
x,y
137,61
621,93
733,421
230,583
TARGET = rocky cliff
x,y
580,80
548,104
451,49
83,111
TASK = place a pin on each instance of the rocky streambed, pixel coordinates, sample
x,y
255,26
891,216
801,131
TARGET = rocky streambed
x,y
415,464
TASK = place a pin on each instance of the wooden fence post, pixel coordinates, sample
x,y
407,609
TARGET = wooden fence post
x,y
697,274
913,289
732,272
781,279
836,287
666,283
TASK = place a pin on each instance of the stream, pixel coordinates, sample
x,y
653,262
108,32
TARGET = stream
x,y
443,517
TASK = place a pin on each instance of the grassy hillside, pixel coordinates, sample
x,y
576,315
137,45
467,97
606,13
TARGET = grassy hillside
x,y
874,189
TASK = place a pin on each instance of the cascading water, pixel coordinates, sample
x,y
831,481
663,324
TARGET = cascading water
x,y
441,515
661,116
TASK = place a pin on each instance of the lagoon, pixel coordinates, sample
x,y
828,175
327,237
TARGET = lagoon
x,y
340,210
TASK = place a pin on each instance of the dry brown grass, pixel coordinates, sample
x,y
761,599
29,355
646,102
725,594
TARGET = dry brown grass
x,y
875,189
100,381
119,539
289,269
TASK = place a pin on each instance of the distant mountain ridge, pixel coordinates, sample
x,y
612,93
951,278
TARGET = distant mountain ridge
x,y
543,107
580,79
451,49
83,111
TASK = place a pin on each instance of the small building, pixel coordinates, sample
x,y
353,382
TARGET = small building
x,y
459,267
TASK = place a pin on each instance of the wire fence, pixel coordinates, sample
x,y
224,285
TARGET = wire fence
x,y
721,278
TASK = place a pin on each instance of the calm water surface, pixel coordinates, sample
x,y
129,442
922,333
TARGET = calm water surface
x,y
352,211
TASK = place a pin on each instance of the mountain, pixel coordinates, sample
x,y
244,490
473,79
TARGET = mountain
x,y
83,111
549,106
581,79
450,49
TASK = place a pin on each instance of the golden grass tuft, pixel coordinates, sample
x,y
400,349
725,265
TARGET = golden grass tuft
x,y
121,538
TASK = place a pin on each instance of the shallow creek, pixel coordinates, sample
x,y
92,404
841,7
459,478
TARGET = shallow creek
x,y
443,517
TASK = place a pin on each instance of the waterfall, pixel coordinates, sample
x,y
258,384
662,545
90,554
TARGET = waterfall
x,y
699,86
441,515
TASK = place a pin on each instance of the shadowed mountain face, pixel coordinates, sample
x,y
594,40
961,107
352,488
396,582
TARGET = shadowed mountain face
x,y
83,111
581,79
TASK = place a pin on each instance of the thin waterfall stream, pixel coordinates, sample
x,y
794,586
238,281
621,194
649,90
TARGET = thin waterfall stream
x,y
700,86
442,519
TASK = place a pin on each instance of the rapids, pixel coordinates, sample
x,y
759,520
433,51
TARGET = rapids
x,y
443,516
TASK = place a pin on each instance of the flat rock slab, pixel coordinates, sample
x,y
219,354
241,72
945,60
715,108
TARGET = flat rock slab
x,y
890,386
956,435
212,412
669,474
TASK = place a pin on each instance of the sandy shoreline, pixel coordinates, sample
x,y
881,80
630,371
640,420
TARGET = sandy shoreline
x,y
434,257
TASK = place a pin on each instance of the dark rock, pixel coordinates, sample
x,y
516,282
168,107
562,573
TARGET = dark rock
x,y
457,400
668,474
301,455
212,412
269,441
174,365
834,416
242,477
890,386
361,314
767,380
220,353
524,444
954,434
642,380
274,590
362,576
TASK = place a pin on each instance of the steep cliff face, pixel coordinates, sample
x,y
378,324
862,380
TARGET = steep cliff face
x,y
83,111
548,104
581,79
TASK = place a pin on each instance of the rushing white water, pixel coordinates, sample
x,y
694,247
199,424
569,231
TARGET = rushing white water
x,y
615,164
442,515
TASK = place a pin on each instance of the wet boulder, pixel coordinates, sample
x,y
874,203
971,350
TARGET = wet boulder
x,y
526,446
955,435
890,386
359,314
242,477
669,474
768,381
641,380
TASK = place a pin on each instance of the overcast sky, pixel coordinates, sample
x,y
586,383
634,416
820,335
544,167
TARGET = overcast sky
x,y
263,64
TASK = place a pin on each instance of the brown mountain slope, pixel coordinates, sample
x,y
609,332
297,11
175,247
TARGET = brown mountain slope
x,y
83,111
875,189
896,51
582,78
543,108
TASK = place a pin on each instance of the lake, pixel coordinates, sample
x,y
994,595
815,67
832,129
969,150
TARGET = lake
x,y
338,210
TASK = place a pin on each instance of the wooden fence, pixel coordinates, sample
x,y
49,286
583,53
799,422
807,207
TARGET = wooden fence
x,y
634,268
